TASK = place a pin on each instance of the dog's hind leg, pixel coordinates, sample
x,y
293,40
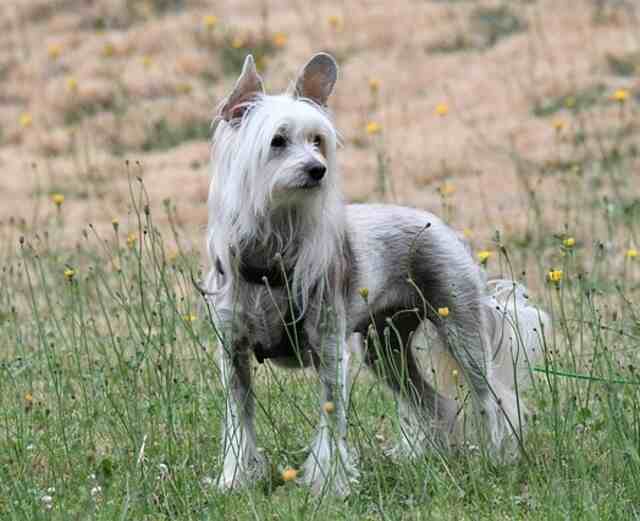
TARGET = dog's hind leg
x,y
330,466
426,417
497,405
242,463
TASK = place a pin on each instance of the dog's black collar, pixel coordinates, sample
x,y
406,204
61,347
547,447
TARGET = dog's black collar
x,y
274,275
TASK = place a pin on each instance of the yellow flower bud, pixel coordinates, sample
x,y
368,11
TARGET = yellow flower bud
x,y
483,256
289,474
373,128
328,407
57,199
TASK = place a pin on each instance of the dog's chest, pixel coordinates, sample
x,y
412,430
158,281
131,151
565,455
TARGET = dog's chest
x,y
276,329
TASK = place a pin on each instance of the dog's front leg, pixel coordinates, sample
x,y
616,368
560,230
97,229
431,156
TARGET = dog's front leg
x,y
242,463
330,466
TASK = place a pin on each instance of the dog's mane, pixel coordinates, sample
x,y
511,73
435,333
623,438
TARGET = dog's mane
x,y
310,238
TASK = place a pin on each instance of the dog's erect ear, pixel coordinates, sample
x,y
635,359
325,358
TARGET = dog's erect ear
x,y
317,78
249,84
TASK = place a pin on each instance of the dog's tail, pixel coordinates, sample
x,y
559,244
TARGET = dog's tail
x,y
516,330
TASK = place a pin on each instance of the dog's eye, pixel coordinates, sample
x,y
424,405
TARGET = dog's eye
x,y
317,140
278,141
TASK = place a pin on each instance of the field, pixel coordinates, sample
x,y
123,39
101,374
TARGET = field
x,y
517,121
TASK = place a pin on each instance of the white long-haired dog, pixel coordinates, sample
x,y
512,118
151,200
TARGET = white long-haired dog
x,y
295,273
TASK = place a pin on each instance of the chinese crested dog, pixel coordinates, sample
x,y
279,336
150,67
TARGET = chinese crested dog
x,y
297,275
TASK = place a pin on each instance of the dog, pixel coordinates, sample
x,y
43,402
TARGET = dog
x,y
297,276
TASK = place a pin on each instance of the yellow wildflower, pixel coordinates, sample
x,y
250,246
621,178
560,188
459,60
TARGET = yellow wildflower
x,y
279,40
328,407
443,312
374,85
26,120
28,401
569,242
72,84
483,256
632,253
455,373
570,102
447,189
237,42
147,61
335,22
131,239
620,95
364,293
559,125
555,276
115,223
442,109
468,233
69,273
190,318
184,88
54,50
108,50
373,128
57,199
289,474
210,21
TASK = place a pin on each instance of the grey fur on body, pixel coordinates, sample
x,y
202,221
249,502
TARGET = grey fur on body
x,y
275,201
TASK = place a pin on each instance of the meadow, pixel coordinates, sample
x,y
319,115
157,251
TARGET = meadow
x,y
515,121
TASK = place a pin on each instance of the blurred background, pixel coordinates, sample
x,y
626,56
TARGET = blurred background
x,y
486,111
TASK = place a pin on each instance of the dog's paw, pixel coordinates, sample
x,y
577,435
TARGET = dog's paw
x,y
506,428
235,475
330,468
336,478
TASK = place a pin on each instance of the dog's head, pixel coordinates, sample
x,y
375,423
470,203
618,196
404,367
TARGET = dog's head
x,y
277,150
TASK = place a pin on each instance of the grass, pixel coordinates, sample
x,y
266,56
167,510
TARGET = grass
x,y
111,403
575,101
486,27
163,136
110,399
625,65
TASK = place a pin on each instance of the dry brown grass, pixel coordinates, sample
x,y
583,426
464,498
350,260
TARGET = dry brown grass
x,y
98,77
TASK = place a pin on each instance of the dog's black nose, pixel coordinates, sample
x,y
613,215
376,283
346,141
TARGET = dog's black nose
x,y
316,171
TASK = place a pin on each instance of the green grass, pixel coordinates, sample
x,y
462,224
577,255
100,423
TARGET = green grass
x,y
163,136
111,403
624,65
485,28
575,102
493,24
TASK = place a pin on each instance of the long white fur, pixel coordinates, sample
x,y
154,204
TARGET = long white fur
x,y
256,205
243,192
518,332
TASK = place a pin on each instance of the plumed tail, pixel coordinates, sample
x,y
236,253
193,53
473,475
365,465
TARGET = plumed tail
x,y
516,330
